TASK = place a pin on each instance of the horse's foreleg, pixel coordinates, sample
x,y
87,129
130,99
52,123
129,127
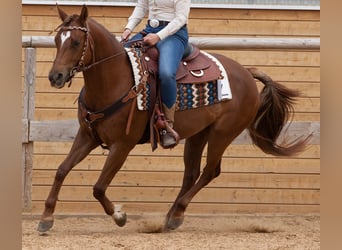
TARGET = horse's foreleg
x,y
114,161
193,149
81,147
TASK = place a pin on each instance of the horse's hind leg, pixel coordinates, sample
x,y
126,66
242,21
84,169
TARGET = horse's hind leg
x,y
193,149
81,147
216,146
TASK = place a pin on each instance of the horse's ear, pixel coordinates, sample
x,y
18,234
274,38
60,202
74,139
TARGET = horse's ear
x,y
84,14
61,13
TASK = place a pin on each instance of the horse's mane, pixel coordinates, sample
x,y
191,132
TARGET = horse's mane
x,y
98,25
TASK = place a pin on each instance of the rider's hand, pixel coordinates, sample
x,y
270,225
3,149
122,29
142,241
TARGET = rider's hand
x,y
125,35
151,39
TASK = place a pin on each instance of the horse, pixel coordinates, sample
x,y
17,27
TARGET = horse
x,y
84,45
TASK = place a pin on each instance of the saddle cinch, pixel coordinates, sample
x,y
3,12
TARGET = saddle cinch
x,y
195,66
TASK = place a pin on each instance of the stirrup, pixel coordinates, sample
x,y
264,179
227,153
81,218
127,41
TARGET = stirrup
x,y
169,138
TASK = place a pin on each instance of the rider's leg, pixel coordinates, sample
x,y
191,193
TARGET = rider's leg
x,y
171,51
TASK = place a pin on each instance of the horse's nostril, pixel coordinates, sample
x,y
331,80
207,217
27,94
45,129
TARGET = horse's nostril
x,y
59,76
55,77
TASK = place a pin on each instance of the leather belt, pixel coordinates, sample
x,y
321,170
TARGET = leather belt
x,y
155,23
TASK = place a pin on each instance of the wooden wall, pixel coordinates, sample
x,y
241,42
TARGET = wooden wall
x,y
251,181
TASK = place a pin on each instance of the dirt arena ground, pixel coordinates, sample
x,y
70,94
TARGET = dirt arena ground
x,y
233,232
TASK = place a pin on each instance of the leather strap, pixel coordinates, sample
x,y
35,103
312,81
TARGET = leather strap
x,y
90,117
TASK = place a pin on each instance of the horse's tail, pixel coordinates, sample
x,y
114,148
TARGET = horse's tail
x,y
276,105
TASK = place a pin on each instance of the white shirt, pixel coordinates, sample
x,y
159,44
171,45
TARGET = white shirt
x,y
174,11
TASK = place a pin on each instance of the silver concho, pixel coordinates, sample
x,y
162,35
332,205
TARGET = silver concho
x,y
154,23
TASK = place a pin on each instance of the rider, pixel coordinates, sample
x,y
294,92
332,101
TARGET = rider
x,y
167,30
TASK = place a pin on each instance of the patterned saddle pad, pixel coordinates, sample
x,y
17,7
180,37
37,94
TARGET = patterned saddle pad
x,y
189,95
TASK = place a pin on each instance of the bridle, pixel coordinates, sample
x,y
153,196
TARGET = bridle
x,y
80,65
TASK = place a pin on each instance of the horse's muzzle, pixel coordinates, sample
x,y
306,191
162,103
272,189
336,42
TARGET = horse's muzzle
x,y
58,79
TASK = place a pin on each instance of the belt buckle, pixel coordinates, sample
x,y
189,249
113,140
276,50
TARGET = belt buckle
x,y
154,23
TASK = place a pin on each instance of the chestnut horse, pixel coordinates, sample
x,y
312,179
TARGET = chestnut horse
x,y
83,45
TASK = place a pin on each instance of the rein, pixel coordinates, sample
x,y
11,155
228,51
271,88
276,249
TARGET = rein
x,y
84,68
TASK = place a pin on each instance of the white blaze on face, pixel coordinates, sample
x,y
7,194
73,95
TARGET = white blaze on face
x,y
64,36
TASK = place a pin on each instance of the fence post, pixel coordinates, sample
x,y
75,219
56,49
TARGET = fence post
x,y
28,115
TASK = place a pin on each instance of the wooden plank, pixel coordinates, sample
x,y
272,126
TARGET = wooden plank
x,y
302,58
50,10
219,43
254,28
132,208
253,14
43,85
53,100
272,57
292,74
307,89
24,196
307,116
281,74
307,105
43,54
24,131
197,26
208,195
55,114
153,163
174,179
66,130
245,151
232,151
37,33
29,83
27,115
62,114
67,101
198,13
57,107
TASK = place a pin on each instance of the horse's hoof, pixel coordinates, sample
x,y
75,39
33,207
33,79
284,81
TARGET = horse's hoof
x,y
173,223
45,225
120,218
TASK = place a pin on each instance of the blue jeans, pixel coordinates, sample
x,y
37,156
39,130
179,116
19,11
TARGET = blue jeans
x,y
171,51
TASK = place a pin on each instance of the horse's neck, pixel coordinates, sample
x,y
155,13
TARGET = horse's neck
x,y
107,81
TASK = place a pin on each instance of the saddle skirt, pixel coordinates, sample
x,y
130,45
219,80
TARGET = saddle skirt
x,y
201,78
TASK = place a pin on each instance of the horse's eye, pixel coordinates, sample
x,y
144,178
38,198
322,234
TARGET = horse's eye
x,y
75,43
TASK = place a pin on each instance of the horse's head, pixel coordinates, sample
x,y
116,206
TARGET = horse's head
x,y
72,44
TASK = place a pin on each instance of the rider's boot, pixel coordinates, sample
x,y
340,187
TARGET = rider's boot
x,y
169,138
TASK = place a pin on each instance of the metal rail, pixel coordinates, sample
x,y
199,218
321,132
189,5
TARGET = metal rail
x,y
213,43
